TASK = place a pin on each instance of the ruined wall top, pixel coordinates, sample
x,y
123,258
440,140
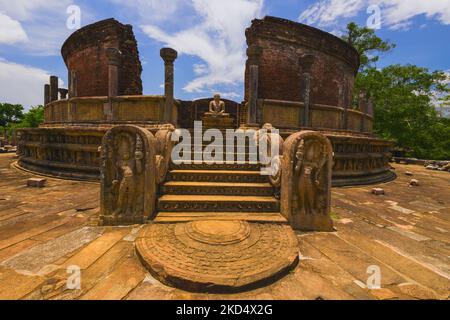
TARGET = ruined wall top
x,y
290,49
85,55
291,32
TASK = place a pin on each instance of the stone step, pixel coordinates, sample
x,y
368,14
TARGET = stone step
x,y
264,217
216,203
216,166
217,188
216,176
234,156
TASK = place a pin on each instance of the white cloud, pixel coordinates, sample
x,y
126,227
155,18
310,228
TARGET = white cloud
x,y
151,10
43,21
230,95
396,14
218,40
11,31
20,84
200,68
325,13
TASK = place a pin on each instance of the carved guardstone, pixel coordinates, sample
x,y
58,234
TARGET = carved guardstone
x,y
128,179
306,181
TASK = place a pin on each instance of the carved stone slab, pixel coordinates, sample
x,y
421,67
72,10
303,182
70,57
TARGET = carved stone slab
x,y
217,256
128,176
306,181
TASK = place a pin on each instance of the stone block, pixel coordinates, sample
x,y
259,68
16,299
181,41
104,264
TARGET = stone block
x,y
378,191
36,182
414,183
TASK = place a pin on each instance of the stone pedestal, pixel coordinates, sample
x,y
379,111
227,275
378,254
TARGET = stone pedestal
x,y
223,121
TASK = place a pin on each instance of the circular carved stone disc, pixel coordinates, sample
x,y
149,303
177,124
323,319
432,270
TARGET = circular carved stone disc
x,y
212,256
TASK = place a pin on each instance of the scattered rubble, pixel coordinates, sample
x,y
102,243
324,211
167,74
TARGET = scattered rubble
x,y
36,182
414,183
438,165
8,148
378,191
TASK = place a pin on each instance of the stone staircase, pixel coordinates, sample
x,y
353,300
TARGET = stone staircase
x,y
208,191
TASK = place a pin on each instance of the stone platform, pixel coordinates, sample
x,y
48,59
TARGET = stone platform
x,y
217,256
405,233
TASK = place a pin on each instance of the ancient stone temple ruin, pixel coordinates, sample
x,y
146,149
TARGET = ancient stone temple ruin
x,y
220,226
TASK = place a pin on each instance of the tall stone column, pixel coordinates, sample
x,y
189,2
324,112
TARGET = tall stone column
x,y
369,124
72,84
114,59
54,90
253,114
346,104
46,94
169,55
363,109
306,63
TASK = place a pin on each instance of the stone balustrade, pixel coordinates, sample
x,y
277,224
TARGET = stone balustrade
x,y
290,115
93,110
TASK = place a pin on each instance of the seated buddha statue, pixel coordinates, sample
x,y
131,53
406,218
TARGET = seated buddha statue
x,y
216,117
217,108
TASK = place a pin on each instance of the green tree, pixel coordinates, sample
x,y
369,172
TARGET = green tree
x,y
405,108
33,118
367,43
10,113
405,98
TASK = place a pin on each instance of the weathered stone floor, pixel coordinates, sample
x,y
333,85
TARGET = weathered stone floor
x,y
406,233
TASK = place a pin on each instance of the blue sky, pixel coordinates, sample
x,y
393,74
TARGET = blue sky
x,y
209,35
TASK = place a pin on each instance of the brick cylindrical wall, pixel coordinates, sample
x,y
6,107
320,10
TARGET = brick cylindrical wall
x,y
283,42
85,53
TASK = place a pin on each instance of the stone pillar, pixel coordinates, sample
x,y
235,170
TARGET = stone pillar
x,y
46,94
370,112
114,59
253,114
72,94
370,107
306,63
168,55
346,105
54,88
72,84
63,93
362,109
341,103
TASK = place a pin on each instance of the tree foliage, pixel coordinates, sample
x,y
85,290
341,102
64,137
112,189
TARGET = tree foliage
x,y
405,109
12,116
10,113
405,98
367,44
33,118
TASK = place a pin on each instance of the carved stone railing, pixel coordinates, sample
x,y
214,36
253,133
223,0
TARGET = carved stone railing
x,y
107,110
306,181
133,163
290,115
273,142
164,151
